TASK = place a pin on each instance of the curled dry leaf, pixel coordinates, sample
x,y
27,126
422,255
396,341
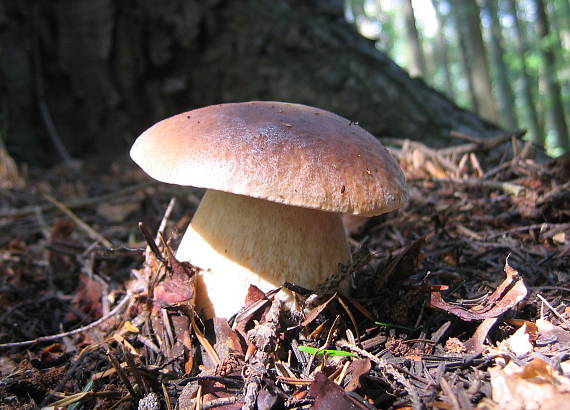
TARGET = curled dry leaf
x,y
177,288
511,291
476,344
357,368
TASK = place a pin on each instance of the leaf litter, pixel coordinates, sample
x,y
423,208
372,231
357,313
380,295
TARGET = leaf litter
x,y
461,299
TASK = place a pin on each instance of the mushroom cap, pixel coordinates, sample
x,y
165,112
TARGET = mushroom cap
x,y
282,152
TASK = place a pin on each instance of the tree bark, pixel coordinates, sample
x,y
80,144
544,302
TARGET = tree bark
x,y
556,108
107,70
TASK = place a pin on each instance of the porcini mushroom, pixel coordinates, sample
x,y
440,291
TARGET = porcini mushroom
x,y
278,178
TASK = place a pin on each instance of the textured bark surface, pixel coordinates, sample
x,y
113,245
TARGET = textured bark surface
x,y
107,70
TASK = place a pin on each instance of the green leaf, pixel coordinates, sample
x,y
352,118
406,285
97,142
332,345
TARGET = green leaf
x,y
318,352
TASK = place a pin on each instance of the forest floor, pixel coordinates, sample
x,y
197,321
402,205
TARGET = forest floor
x,y
462,298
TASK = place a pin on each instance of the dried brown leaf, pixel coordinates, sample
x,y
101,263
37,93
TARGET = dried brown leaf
x,y
533,386
313,314
87,298
357,369
476,344
511,291
177,288
330,396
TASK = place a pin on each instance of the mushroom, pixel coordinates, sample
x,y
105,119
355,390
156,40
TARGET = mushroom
x,y
278,177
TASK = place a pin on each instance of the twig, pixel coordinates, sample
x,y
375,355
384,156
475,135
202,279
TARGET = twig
x,y
547,230
447,390
206,344
224,401
497,169
558,315
384,366
425,149
154,245
75,203
164,220
91,325
556,194
507,187
362,352
53,134
122,374
90,231
44,109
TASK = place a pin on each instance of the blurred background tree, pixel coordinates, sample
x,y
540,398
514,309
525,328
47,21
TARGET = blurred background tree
x,y
508,60
84,77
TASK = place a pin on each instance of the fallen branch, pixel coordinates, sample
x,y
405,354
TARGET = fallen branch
x,y
91,325
79,222
75,203
506,187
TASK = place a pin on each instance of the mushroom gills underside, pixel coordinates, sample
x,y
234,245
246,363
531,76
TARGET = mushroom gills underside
x,y
238,240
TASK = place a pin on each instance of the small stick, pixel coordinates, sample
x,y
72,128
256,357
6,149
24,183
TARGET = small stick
x,y
446,388
75,203
507,187
90,231
91,325
558,315
361,352
425,149
165,219
224,401
206,344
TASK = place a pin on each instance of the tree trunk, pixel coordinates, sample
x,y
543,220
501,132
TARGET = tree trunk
x,y
536,132
417,60
565,24
477,57
504,89
556,107
442,50
107,70
460,30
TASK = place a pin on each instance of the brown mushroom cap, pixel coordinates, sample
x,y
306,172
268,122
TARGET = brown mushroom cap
x,y
286,153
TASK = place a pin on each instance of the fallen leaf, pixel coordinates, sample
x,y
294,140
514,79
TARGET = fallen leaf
x,y
357,369
518,342
530,387
476,344
227,341
549,333
313,314
330,396
87,298
177,288
510,292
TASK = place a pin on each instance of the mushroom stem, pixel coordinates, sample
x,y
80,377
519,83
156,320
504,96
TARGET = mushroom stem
x,y
239,240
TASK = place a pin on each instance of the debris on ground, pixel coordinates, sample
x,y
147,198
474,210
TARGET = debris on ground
x,y
461,299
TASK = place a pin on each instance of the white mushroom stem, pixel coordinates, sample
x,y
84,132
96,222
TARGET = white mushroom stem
x,y
239,240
